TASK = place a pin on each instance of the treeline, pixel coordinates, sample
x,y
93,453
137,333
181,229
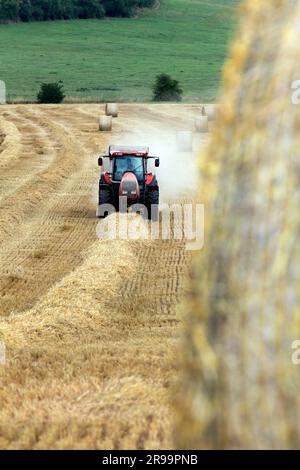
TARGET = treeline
x,y
45,10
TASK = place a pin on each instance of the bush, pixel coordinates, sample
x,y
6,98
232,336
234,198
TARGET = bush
x,y
51,93
166,89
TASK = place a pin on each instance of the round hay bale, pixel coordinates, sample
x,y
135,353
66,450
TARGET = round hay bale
x,y
201,124
185,141
111,109
2,92
211,112
241,387
105,123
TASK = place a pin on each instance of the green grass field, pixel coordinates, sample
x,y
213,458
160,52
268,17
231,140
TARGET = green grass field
x,y
118,59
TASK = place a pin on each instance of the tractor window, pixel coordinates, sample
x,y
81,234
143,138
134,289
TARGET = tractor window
x,y
123,164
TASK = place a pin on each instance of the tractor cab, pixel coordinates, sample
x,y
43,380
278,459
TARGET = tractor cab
x,y
129,163
125,158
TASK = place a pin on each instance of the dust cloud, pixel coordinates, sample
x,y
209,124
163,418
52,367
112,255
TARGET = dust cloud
x,y
178,173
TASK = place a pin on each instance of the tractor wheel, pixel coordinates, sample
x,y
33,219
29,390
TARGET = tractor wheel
x,y
105,197
152,203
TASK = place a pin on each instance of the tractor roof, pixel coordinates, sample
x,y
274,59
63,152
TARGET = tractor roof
x,y
119,150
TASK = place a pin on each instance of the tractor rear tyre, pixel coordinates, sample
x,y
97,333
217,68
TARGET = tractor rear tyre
x,y
152,204
105,197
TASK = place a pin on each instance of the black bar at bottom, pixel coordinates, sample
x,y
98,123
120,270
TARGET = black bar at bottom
x,y
135,459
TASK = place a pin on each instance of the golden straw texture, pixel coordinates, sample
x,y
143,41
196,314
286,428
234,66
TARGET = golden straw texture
x,y
240,387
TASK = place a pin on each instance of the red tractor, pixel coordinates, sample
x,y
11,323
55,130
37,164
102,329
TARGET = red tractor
x,y
128,181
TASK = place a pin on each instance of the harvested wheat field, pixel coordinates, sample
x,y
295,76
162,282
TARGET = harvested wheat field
x,y
91,327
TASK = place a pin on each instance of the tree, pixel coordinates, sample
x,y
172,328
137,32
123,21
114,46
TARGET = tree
x,y
44,10
90,9
37,10
9,10
51,93
26,10
166,89
120,7
68,9
145,3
